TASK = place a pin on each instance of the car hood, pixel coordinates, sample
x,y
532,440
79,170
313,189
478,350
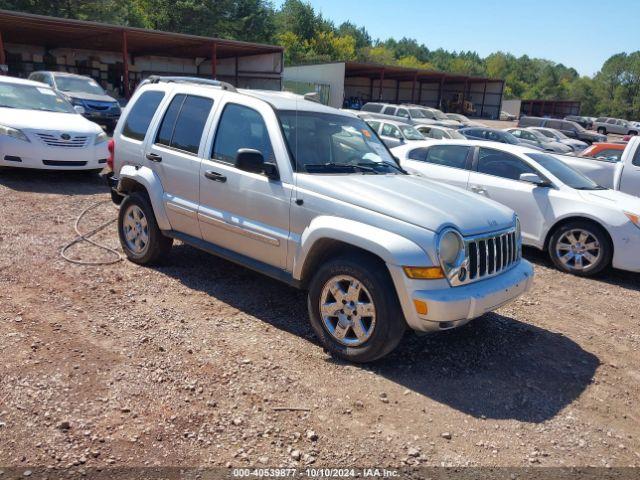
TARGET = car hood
x,y
93,97
449,123
613,198
415,200
47,121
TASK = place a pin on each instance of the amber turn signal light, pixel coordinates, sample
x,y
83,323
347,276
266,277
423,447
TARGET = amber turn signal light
x,y
423,273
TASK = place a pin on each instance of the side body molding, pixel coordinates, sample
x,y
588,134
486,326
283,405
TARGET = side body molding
x,y
391,247
146,177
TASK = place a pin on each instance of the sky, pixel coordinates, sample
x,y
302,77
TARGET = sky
x,y
578,33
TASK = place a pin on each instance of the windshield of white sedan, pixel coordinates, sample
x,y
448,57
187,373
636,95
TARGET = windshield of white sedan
x,y
411,133
327,143
28,97
75,84
564,172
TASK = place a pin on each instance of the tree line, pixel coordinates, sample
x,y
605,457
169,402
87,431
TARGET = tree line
x,y
309,37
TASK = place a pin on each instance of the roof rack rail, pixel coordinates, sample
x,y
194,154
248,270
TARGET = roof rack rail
x,y
196,80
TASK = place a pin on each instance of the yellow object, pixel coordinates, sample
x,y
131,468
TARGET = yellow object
x,y
421,307
424,273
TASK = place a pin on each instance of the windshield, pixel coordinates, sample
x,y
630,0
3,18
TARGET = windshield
x,y
564,172
78,84
540,136
27,97
329,143
411,133
439,115
417,113
510,138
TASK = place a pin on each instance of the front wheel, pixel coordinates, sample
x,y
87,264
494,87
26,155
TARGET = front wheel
x,y
581,248
354,309
140,237
602,130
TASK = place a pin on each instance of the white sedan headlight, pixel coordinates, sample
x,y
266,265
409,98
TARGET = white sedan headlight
x,y
101,137
13,132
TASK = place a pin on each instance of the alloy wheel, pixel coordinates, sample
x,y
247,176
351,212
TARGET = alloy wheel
x,y
136,229
578,249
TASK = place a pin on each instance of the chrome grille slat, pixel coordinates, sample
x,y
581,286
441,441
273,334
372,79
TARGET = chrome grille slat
x,y
56,141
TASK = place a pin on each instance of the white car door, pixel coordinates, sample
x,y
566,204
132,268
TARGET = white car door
x,y
445,163
496,175
391,135
628,174
173,154
241,211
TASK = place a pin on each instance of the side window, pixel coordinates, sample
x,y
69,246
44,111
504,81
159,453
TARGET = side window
x,y
389,111
611,121
454,156
636,158
418,154
389,130
516,133
141,113
183,122
437,134
610,154
375,126
501,164
402,113
240,127
48,79
568,126
494,136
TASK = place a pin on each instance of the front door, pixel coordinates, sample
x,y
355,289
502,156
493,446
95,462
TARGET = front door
x,y
630,173
244,212
496,176
444,163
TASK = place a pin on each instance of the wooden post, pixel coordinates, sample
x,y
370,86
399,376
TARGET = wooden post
x,y
3,58
397,91
371,89
237,79
484,96
419,93
214,60
440,91
413,87
381,82
125,65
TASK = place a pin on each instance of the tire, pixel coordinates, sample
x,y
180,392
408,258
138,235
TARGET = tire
x,y
561,241
148,245
633,132
379,333
602,130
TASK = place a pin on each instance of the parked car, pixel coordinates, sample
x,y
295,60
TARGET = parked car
x,y
557,135
583,227
585,122
539,140
464,120
394,133
606,125
570,129
506,116
308,195
495,135
433,131
611,152
40,129
412,114
84,92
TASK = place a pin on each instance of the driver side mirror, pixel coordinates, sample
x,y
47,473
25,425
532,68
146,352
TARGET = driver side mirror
x,y
535,179
251,160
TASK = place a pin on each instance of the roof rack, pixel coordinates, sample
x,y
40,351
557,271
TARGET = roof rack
x,y
196,80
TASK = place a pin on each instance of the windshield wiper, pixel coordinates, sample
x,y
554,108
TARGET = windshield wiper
x,y
338,166
7,106
596,187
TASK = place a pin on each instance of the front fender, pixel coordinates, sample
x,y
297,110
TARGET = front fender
x,y
150,181
392,248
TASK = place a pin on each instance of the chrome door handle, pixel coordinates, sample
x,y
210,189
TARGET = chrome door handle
x,y
154,157
215,176
477,189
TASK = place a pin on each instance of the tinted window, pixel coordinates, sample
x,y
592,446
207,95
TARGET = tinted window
x,y
183,123
448,155
557,124
436,133
141,114
403,113
374,125
610,154
529,122
474,132
501,164
241,127
418,154
636,158
371,107
564,172
389,130
389,111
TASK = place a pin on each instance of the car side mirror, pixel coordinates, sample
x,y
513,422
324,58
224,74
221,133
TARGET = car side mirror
x,y
79,109
251,160
534,178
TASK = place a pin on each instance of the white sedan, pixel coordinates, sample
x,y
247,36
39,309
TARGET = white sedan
x,y
40,129
584,227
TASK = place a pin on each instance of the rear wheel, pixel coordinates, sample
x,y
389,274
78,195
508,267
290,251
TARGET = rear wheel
x,y
633,132
354,310
581,248
140,237
602,130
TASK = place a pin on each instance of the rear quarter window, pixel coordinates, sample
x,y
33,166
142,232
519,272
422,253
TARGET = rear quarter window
x,y
140,115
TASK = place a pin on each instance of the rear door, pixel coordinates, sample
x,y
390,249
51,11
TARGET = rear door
x,y
496,175
174,154
449,164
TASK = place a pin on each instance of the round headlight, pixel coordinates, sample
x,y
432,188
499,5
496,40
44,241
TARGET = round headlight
x,y
450,247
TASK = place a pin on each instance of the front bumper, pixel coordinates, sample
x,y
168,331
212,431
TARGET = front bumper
x,y
21,154
451,307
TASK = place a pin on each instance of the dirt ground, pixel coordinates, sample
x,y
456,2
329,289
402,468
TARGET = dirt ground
x,y
191,364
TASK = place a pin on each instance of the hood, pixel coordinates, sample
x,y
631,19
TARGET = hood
x,y
47,121
415,200
613,199
449,123
93,97
573,142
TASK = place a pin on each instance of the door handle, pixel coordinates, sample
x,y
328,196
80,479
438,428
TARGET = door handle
x,y
215,176
478,189
154,157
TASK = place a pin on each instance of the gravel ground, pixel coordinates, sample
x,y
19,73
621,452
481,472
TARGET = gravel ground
x,y
202,363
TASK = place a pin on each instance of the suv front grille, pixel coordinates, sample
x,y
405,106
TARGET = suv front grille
x,y
57,141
